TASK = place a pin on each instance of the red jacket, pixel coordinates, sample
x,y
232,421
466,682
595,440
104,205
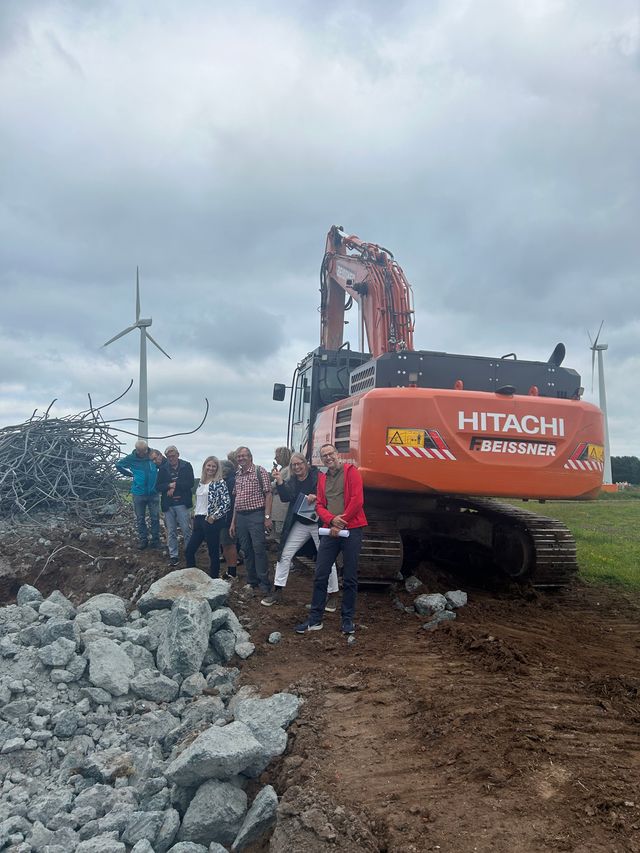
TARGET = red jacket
x,y
353,499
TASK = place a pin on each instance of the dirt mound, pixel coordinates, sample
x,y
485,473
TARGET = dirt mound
x,y
513,728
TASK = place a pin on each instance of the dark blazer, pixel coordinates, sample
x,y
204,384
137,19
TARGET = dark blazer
x,y
182,495
288,492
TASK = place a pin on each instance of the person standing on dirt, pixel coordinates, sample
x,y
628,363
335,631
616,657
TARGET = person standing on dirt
x,y
212,505
297,528
144,471
339,504
252,518
175,484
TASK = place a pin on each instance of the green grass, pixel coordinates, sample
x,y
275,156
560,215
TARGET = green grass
x,y
607,534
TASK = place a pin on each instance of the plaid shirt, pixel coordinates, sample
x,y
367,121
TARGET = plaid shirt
x,y
251,487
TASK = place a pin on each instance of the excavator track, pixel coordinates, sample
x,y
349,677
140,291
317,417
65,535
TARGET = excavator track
x,y
527,547
522,546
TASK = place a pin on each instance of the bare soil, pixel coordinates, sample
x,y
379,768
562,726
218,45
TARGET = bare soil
x,y
514,728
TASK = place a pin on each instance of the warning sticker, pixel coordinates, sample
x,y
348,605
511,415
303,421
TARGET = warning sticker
x,y
405,437
595,451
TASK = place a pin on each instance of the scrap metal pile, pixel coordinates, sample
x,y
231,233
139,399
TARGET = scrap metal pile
x,y
61,466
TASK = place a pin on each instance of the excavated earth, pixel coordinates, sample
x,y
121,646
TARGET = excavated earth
x,y
514,728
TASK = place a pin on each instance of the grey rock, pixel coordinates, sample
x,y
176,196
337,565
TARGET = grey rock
x,y
107,764
142,825
193,685
28,595
274,638
142,846
215,813
428,605
13,744
112,608
47,806
57,653
233,624
153,685
217,674
184,583
8,649
141,657
54,629
154,726
101,844
17,710
219,753
281,709
456,598
438,618
224,643
96,695
157,622
260,818
190,847
57,606
219,619
44,840
73,671
109,667
214,847
186,638
245,650
98,797
168,831
412,583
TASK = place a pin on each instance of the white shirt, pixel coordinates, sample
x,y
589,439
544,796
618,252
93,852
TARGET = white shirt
x,y
202,499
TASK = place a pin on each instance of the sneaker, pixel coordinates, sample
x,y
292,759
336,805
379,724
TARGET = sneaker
x,y
274,598
173,561
303,627
230,574
347,626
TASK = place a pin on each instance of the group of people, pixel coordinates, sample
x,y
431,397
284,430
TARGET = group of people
x,y
233,511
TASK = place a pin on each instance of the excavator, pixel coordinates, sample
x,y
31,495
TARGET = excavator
x,y
439,437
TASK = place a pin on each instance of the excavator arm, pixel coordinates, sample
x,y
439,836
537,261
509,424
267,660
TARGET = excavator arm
x,y
354,271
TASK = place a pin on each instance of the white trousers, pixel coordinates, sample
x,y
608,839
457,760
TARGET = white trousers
x,y
298,535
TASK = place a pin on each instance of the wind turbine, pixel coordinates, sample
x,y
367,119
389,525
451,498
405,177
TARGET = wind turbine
x,y
143,324
600,348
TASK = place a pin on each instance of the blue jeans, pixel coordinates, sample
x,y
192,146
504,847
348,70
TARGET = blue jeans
x,y
209,533
140,505
330,547
253,542
177,516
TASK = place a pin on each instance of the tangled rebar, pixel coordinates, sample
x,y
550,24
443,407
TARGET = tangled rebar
x,y
63,466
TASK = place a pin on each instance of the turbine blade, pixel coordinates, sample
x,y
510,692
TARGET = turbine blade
x,y
156,344
598,335
590,338
593,364
119,335
137,294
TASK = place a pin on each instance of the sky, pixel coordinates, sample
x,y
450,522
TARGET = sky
x,y
493,147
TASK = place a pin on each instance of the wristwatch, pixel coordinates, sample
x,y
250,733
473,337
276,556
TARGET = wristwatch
x,y
267,517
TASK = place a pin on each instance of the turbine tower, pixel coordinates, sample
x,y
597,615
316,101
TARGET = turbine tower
x,y
600,348
143,324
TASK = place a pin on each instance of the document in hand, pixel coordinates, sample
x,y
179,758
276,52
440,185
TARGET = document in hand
x,y
305,510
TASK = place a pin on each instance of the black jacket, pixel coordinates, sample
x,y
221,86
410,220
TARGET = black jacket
x,y
288,492
183,494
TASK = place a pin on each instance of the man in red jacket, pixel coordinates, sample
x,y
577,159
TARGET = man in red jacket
x,y
340,507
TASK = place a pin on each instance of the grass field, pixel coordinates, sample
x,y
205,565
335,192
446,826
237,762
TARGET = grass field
x,y
607,533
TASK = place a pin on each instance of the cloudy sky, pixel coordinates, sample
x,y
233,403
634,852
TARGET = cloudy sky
x,y
493,147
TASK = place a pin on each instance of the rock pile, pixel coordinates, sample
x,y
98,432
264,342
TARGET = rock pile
x,y
127,732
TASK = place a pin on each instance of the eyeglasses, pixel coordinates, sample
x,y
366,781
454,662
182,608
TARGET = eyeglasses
x,y
327,455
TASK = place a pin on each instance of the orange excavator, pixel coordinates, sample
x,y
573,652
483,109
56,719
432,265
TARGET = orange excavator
x,y
438,436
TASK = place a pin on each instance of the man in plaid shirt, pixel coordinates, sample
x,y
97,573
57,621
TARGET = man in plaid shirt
x,y
252,518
